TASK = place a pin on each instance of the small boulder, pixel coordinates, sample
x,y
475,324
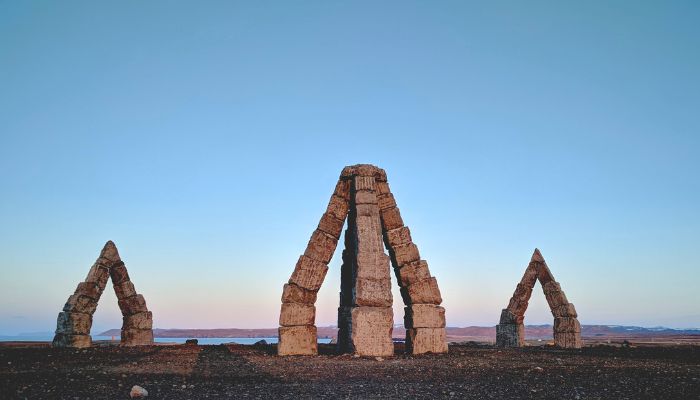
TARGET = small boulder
x,y
137,392
262,342
191,341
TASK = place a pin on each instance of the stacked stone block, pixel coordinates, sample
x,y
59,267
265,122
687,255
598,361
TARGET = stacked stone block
x,y
510,332
365,317
297,332
74,322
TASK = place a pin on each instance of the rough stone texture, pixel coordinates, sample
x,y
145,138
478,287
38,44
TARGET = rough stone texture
x,y
295,294
373,293
424,316
371,331
342,190
398,236
77,341
90,289
294,314
386,201
365,197
422,292
136,337
331,225
372,266
338,207
404,254
510,335
99,275
138,321
73,323
510,331
412,272
124,290
309,273
297,340
426,340
391,218
133,305
118,273
321,246
78,303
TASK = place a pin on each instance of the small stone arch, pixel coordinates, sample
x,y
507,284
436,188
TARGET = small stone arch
x,y
75,321
365,316
510,332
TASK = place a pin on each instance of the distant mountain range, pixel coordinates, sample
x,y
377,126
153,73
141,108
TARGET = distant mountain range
x,y
470,332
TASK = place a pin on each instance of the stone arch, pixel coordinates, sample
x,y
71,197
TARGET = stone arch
x,y
510,332
74,322
365,316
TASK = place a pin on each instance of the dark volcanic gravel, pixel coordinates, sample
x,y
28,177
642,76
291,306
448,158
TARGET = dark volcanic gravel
x,y
233,371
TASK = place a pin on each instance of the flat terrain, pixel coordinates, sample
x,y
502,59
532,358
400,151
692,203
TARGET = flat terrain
x,y
234,371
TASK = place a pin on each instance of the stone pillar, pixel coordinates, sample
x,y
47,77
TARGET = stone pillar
x,y
365,316
424,319
297,332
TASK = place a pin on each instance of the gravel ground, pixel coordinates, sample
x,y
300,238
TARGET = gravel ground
x,y
234,371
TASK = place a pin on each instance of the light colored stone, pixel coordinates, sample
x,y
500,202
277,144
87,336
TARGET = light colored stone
x,y
386,201
391,218
404,254
373,266
568,340
137,392
76,341
132,305
98,275
338,207
321,246
331,225
118,273
412,272
295,294
422,292
373,293
565,310
381,187
365,197
90,289
294,314
399,236
426,340
139,321
555,299
566,324
530,276
309,273
136,337
73,323
342,189
297,340
424,316
80,304
371,331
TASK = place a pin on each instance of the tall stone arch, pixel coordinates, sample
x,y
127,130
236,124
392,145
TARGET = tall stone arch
x,y
74,322
510,332
365,316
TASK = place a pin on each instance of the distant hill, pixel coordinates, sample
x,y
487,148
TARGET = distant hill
x,y
470,332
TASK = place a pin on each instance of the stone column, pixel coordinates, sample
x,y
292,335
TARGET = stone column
x,y
365,316
297,332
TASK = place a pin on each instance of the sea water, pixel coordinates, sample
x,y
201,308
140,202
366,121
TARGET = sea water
x,y
245,340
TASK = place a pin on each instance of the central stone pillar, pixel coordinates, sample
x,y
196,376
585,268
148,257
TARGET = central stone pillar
x,y
365,316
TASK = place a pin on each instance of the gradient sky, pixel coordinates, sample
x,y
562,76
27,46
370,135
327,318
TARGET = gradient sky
x,y
205,139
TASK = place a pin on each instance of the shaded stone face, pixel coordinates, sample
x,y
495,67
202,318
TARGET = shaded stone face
x,y
139,321
73,323
426,340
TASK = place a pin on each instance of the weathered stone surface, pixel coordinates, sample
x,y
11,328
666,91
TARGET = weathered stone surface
x,y
139,321
422,292
391,218
551,287
373,293
566,324
373,266
119,273
367,210
124,290
555,299
399,236
385,201
309,273
412,272
510,335
321,246
297,340
331,225
77,341
508,317
80,304
338,207
295,294
73,323
364,170
426,340
132,305
90,289
365,197
565,310
342,189
369,239
424,316
404,254
381,187
530,276
110,253
99,275
364,183
568,340
371,331
136,337
294,314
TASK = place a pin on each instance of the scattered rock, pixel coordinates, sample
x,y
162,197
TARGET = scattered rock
x,y
137,392
192,341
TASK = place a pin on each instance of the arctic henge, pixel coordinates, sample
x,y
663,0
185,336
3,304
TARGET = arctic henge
x,y
365,317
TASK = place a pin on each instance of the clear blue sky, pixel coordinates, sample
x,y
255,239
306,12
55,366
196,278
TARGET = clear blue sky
x,y
205,139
